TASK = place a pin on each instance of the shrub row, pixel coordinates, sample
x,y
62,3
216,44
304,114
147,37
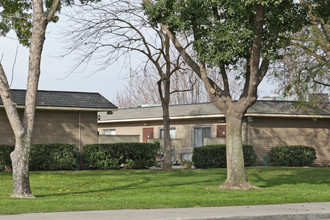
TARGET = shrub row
x,y
111,156
53,157
5,161
292,156
142,155
45,157
95,156
214,156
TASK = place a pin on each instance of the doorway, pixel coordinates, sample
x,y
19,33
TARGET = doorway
x,y
199,133
148,133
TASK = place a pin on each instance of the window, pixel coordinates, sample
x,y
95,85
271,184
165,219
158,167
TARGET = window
x,y
109,131
172,133
199,133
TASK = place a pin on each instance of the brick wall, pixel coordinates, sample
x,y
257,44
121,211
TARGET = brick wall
x,y
183,128
56,127
263,133
269,132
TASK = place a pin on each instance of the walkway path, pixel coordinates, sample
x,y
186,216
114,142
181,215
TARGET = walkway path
x,y
270,212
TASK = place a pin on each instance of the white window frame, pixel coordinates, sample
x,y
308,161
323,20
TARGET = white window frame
x,y
172,133
201,140
109,131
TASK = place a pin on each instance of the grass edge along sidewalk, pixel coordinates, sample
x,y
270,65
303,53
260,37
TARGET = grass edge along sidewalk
x,y
63,191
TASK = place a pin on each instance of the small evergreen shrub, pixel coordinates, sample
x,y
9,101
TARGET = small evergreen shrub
x,y
45,157
293,156
53,157
5,160
111,156
214,156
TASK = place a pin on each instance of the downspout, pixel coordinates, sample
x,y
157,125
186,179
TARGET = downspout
x,y
249,120
79,128
79,142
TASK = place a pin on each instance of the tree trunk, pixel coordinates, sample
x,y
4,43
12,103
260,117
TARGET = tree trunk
x,y
20,163
167,165
236,175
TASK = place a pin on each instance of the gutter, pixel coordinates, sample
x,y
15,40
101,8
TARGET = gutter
x,y
214,116
158,119
286,115
68,108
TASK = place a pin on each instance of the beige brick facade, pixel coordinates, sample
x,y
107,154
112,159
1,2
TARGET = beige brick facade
x,y
56,126
261,132
267,132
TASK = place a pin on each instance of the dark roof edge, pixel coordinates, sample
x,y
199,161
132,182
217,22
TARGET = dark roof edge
x,y
203,103
57,91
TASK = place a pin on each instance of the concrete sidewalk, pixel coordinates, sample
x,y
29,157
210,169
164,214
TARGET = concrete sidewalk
x,y
298,211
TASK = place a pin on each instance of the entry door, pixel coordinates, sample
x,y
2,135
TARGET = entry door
x,y
148,133
199,134
221,131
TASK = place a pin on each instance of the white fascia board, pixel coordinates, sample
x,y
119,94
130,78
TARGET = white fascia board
x,y
214,116
159,119
286,116
69,108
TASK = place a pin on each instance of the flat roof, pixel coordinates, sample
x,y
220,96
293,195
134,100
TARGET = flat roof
x,y
209,110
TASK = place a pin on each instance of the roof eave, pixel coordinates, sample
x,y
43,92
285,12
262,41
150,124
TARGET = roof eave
x,y
285,115
159,119
69,108
214,116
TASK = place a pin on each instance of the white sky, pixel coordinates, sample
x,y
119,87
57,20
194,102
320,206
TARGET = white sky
x,y
55,70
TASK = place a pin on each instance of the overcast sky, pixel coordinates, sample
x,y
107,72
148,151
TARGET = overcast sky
x,y
55,71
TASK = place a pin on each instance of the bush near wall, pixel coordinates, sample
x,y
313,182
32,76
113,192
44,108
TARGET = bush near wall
x,y
111,156
53,157
45,157
5,160
214,156
293,156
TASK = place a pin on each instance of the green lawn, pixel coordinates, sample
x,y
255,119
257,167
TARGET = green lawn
x,y
137,189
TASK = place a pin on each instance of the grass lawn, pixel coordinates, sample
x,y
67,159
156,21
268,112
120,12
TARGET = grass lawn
x,y
137,189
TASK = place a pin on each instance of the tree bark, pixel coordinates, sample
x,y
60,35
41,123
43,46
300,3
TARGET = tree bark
x,y
236,174
165,83
23,130
20,163
166,119
21,154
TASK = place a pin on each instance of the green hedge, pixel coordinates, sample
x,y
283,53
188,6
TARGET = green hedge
x,y
5,160
293,156
53,157
214,156
111,156
45,157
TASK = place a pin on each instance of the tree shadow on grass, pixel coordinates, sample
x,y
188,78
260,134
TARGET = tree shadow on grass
x,y
135,185
269,177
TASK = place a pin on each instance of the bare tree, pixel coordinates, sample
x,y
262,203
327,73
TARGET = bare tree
x,y
107,32
186,88
305,66
23,129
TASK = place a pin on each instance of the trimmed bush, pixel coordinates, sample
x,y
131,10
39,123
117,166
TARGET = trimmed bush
x,y
45,157
5,160
53,157
111,156
214,156
293,156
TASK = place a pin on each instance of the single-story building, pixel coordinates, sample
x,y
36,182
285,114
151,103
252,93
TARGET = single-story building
x,y
61,117
266,124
